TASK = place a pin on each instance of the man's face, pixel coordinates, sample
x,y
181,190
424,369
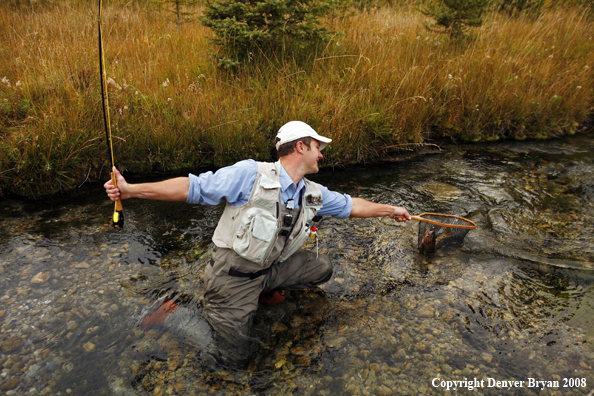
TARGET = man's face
x,y
312,156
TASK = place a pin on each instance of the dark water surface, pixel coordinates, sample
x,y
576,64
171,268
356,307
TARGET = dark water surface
x,y
514,303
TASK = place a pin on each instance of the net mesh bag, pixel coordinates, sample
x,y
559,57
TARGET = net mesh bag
x,y
438,230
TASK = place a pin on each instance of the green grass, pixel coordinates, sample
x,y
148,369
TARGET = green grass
x,y
382,85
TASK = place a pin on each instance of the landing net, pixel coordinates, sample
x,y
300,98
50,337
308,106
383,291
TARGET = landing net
x,y
438,230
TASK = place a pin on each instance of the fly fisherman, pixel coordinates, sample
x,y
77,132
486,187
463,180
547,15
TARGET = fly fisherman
x,y
257,242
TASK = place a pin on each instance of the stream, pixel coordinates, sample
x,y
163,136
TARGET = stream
x,y
508,312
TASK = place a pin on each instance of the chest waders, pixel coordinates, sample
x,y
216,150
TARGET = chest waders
x,y
257,250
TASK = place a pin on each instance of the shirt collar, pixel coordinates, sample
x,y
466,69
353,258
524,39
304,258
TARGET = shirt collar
x,y
286,181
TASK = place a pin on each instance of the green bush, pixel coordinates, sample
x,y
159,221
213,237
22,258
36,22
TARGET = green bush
x,y
246,29
454,16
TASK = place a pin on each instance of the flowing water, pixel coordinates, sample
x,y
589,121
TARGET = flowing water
x,y
509,312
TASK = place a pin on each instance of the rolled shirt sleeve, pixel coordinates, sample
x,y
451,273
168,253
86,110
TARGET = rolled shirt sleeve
x,y
335,204
231,183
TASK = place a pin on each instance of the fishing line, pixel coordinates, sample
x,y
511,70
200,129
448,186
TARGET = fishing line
x,y
118,214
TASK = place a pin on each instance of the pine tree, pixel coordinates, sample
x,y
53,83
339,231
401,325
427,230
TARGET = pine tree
x,y
246,28
454,16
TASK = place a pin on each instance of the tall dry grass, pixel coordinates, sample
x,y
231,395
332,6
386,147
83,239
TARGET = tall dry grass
x,y
382,84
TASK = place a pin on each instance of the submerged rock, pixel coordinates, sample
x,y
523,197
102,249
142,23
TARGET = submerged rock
x,y
41,277
11,345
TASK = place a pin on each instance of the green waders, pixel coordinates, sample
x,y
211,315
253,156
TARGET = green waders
x,y
230,301
234,284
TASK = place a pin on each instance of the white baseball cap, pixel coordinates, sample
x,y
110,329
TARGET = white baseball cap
x,y
296,130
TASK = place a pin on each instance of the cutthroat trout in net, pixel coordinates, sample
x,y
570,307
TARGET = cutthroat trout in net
x,y
437,230
427,245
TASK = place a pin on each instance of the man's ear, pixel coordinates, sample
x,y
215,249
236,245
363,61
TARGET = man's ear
x,y
299,147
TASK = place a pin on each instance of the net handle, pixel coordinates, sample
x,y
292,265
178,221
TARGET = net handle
x,y
420,217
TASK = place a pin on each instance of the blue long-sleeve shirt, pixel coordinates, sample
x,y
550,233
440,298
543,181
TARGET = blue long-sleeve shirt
x,y
234,184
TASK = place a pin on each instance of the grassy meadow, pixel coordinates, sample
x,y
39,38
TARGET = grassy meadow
x,y
383,84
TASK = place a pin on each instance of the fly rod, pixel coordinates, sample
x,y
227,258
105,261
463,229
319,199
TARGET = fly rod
x,y
118,213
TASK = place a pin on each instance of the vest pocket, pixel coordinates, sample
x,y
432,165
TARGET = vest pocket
x,y
268,189
297,243
256,235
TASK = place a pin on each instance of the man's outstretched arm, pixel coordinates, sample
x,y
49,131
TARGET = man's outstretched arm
x,y
175,189
365,209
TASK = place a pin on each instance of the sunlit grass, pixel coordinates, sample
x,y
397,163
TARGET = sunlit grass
x,y
382,83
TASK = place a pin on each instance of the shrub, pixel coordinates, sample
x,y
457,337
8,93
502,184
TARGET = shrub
x,y
246,28
454,16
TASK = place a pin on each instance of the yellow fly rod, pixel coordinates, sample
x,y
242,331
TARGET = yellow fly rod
x,y
118,213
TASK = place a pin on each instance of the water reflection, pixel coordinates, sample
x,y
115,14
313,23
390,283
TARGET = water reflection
x,y
515,302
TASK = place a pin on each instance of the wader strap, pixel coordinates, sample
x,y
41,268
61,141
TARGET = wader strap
x,y
252,275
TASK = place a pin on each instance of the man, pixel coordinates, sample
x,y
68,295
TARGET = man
x,y
268,215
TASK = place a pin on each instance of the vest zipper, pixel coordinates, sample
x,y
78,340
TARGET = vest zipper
x,y
301,235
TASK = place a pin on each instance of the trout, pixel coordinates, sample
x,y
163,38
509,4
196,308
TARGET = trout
x,y
427,245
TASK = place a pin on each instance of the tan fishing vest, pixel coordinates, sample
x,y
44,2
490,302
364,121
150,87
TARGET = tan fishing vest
x,y
257,230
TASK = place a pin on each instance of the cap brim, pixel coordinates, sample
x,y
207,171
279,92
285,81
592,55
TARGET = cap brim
x,y
323,141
